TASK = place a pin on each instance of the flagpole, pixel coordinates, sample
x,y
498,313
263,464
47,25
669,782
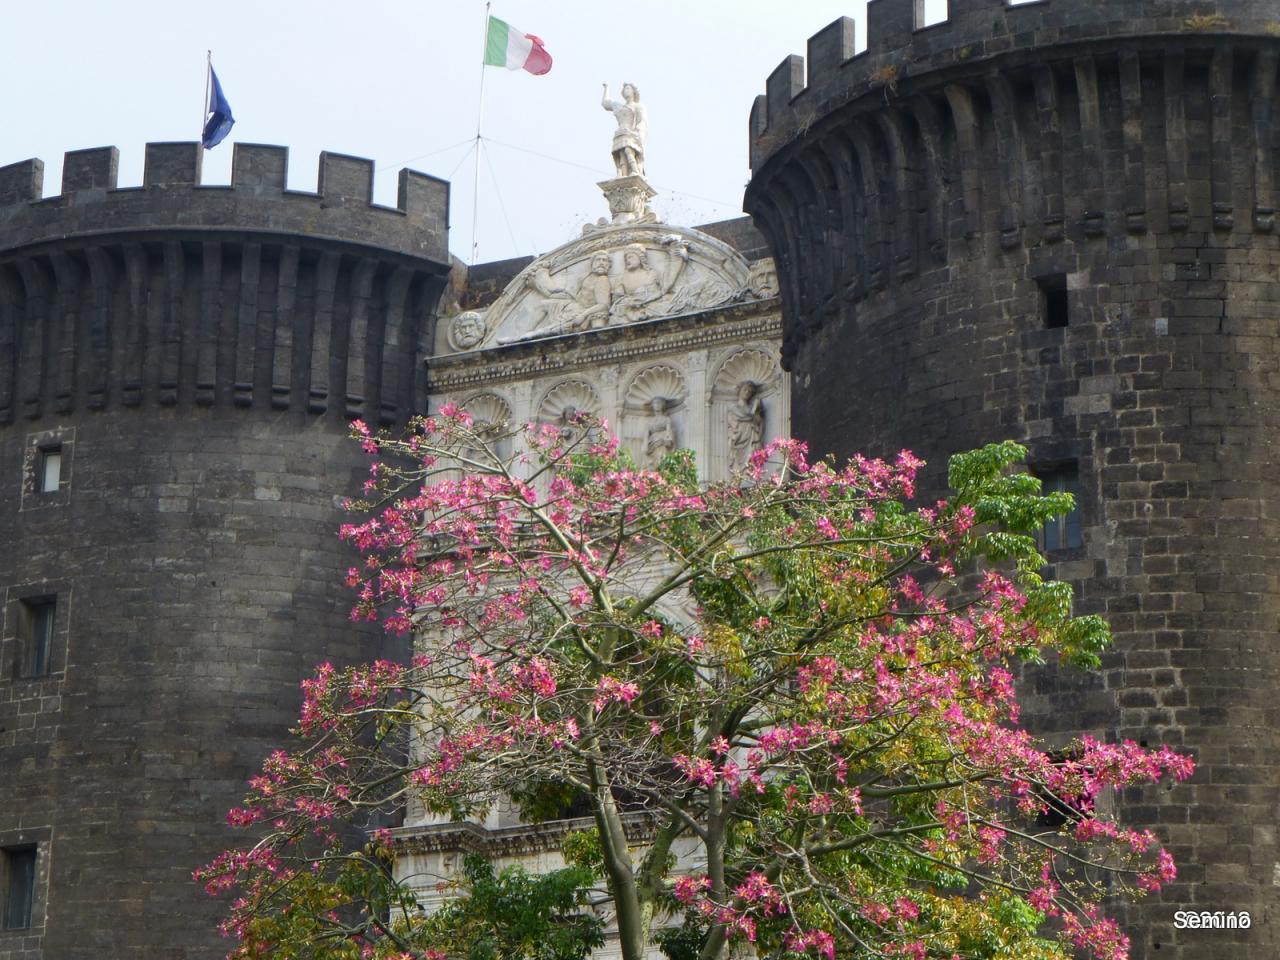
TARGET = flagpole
x,y
204,108
475,187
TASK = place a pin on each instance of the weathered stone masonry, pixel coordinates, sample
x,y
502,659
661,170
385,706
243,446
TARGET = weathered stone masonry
x,y
926,201
197,351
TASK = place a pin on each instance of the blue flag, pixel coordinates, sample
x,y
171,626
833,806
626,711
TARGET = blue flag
x,y
219,119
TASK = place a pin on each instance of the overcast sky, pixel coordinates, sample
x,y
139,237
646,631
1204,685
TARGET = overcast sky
x,y
398,81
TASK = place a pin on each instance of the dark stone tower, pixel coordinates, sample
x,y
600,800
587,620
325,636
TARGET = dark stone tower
x,y
1056,222
178,364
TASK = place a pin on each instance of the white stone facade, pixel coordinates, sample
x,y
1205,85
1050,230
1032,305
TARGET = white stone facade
x,y
671,336
663,358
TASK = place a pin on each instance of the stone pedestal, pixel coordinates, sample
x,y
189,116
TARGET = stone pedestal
x,y
629,199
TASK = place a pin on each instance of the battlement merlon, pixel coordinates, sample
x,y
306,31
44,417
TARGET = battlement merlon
x,y
900,48
257,199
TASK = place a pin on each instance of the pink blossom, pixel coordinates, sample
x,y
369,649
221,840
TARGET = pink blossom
x,y
687,889
612,690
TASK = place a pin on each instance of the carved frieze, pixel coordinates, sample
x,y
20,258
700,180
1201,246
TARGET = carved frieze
x,y
613,276
684,335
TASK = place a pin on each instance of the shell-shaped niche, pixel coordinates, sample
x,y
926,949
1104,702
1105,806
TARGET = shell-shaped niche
x,y
658,382
492,423
566,398
746,409
491,414
749,365
654,414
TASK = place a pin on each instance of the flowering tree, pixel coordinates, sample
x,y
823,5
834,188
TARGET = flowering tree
x,y
793,687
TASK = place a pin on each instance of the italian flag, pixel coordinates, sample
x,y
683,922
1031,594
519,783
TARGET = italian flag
x,y
510,47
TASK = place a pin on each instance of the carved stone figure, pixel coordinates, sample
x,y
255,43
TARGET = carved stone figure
x,y
565,312
570,430
564,403
633,127
763,282
746,424
660,439
487,431
467,330
638,289
698,296
622,274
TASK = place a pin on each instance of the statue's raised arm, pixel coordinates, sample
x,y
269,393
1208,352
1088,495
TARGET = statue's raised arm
x,y
633,127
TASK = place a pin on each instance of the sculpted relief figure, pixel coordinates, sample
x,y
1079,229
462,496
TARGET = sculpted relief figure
x,y
660,439
633,127
646,274
566,312
638,289
746,424
467,330
763,281
568,425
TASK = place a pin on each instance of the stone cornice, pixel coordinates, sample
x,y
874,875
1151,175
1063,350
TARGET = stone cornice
x,y
520,361
505,841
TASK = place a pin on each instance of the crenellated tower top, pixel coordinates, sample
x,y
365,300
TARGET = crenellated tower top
x,y
901,48
1008,131
248,295
257,199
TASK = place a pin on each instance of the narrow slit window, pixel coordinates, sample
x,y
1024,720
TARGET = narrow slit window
x,y
1061,532
37,620
1055,309
50,469
19,886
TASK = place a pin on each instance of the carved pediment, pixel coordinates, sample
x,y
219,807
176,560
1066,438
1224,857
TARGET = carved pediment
x,y
616,275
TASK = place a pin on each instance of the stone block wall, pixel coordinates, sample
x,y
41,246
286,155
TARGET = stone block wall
x,y
194,354
1056,224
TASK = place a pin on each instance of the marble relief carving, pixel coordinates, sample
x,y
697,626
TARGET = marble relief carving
x,y
638,289
745,424
618,275
660,439
562,404
492,419
653,409
561,311
467,330
745,396
762,284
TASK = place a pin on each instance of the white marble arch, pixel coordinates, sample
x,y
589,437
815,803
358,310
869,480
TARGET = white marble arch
x,y
735,366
